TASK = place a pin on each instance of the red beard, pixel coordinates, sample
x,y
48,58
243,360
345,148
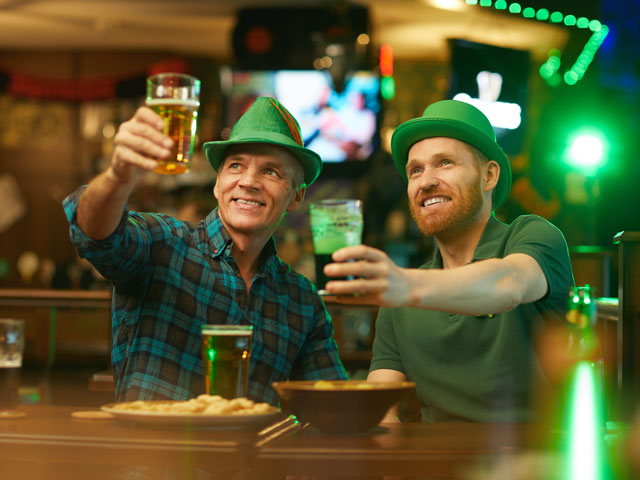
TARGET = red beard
x,y
465,210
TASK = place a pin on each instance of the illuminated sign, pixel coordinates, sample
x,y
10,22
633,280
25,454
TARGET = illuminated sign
x,y
500,114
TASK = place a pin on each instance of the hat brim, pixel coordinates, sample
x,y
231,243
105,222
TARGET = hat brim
x,y
418,129
310,160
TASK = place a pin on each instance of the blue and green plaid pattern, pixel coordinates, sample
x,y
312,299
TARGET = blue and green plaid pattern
x,y
170,277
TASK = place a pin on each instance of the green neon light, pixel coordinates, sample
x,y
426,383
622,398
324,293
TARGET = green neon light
x,y
500,5
595,25
549,70
571,77
582,22
388,88
556,17
542,14
584,446
515,8
554,80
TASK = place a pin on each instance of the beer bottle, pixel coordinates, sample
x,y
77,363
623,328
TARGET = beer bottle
x,y
584,415
581,318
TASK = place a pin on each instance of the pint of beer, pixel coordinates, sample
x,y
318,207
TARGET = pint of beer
x,y
226,352
335,223
176,98
11,346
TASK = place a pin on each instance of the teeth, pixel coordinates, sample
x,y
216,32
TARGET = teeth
x,y
248,202
434,200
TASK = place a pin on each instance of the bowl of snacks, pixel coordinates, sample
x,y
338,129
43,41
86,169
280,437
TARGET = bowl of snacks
x,y
341,406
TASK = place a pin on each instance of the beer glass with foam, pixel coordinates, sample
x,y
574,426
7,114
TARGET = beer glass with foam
x,y
11,347
335,223
226,353
176,98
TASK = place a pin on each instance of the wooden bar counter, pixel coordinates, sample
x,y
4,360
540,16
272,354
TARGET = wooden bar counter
x,y
48,443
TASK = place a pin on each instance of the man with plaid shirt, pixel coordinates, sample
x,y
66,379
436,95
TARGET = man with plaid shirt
x,y
171,277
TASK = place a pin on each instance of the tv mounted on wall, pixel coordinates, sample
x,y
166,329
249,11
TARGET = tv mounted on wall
x,y
342,127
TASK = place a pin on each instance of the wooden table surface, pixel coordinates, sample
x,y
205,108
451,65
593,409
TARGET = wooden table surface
x,y
49,443
440,450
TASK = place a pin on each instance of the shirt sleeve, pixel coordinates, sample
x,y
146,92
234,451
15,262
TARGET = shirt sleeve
x,y
123,254
541,240
318,359
386,353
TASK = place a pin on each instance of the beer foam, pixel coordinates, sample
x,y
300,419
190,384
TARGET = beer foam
x,y
173,101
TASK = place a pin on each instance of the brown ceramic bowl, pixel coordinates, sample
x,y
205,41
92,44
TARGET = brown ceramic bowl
x,y
341,406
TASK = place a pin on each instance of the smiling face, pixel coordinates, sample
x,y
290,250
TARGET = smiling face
x,y
256,185
449,188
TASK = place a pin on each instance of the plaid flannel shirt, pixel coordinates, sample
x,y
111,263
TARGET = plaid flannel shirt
x,y
170,277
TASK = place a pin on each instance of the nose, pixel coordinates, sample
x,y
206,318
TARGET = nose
x,y
250,178
427,180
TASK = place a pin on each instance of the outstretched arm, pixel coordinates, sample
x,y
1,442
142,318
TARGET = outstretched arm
x,y
480,288
137,143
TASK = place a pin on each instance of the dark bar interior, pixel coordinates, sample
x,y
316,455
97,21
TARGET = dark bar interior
x,y
559,83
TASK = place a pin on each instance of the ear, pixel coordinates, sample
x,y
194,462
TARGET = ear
x,y
297,199
215,190
491,175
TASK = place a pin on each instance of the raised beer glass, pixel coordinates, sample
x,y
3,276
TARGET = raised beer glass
x,y
176,98
335,223
11,347
226,353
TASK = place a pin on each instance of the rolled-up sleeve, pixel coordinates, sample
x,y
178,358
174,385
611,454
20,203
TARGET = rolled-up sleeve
x,y
122,254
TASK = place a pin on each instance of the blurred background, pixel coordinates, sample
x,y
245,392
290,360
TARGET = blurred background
x,y
560,81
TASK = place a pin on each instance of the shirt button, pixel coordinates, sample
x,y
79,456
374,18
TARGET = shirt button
x,y
215,250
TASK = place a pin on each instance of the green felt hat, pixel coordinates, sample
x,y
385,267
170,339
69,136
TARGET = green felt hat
x,y
268,121
459,120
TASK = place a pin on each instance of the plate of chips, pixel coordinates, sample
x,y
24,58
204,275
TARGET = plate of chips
x,y
202,411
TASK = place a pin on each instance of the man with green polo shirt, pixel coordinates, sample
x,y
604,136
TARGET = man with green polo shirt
x,y
463,325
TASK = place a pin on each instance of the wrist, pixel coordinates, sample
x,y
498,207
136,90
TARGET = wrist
x,y
414,288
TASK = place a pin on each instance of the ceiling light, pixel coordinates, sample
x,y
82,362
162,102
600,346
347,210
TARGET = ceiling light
x,y
452,5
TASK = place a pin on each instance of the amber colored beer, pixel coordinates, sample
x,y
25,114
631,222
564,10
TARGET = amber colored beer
x,y
180,120
226,353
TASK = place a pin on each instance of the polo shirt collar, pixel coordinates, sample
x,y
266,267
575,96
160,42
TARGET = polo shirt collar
x,y
488,244
492,237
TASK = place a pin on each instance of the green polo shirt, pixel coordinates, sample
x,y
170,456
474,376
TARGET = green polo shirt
x,y
479,368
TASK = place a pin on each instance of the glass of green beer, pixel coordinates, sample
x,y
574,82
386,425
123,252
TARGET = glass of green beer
x,y
176,98
226,353
335,223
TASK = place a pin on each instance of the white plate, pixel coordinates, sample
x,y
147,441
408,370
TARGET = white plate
x,y
247,421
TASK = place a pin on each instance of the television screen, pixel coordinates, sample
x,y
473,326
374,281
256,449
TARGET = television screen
x,y
339,126
494,79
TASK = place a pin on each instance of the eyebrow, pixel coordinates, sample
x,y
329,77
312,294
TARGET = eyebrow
x,y
436,156
280,166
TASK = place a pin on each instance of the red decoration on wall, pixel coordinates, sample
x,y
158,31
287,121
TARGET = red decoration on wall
x,y
170,65
70,90
80,89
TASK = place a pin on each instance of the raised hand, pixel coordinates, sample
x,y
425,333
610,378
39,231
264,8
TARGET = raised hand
x,y
138,143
